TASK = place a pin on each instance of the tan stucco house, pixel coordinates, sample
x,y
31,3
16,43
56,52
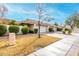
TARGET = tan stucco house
x,y
34,24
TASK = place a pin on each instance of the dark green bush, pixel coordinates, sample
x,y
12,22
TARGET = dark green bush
x,y
3,30
13,29
31,31
24,30
59,29
35,30
50,29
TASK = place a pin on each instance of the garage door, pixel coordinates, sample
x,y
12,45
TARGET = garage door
x,y
43,29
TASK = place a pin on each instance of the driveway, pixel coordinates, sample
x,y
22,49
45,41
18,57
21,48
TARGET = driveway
x,y
58,34
67,46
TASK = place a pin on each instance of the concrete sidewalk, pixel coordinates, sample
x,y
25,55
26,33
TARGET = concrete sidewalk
x,y
68,46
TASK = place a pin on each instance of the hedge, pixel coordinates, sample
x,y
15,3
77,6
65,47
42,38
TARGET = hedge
x,y
35,30
67,30
24,30
3,30
31,31
51,30
59,29
13,29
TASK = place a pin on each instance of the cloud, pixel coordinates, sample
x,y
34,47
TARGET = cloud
x,y
57,14
20,10
28,11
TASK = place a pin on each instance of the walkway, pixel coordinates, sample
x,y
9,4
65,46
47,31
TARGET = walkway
x,y
68,46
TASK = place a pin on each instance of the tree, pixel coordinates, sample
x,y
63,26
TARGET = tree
x,y
42,16
73,20
3,10
56,24
13,22
69,22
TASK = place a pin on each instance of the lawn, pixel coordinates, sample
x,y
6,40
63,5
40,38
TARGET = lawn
x,y
25,44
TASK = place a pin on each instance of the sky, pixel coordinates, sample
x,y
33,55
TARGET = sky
x,y
23,11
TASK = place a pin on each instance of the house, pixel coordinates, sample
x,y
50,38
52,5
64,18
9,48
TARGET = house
x,y
34,24
4,21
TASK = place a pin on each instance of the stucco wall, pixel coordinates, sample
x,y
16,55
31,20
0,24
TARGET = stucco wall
x,y
42,28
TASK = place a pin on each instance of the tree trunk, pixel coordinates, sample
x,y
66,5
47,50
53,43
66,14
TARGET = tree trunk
x,y
39,29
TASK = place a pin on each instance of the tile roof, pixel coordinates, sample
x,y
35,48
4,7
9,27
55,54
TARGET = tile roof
x,y
35,22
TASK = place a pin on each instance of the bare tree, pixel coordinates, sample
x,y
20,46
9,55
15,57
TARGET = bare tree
x,y
73,20
42,16
39,11
3,11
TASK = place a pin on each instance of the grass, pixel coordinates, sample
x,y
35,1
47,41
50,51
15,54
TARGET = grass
x,y
25,44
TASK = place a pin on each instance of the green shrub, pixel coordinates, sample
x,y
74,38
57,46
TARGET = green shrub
x,y
13,22
31,31
50,29
24,30
13,29
35,30
67,30
59,29
3,30
64,32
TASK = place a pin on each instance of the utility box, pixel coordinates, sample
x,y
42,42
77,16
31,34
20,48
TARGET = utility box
x,y
12,39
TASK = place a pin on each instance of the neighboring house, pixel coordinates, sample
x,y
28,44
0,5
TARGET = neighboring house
x,y
4,21
34,24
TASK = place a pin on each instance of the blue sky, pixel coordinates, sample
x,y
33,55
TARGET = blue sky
x,y
22,11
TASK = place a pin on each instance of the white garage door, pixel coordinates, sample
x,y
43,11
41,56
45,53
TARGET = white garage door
x,y
43,29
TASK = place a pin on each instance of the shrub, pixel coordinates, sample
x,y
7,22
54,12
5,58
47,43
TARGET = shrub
x,y
50,29
13,22
13,29
35,30
63,31
3,30
59,29
67,31
31,31
24,30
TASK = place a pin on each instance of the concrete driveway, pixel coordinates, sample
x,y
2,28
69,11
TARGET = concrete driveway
x,y
67,46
